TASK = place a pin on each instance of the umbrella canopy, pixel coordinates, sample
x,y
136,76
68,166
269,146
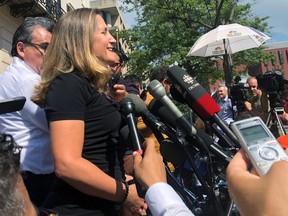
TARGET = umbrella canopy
x,y
232,38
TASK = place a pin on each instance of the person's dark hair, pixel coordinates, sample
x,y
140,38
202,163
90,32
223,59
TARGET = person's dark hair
x,y
11,202
24,31
133,79
132,84
159,73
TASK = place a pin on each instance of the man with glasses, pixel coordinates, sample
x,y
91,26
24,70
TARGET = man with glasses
x,y
29,126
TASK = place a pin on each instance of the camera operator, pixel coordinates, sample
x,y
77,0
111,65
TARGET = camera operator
x,y
257,104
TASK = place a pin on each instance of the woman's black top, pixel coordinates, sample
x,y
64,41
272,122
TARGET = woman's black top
x,y
72,97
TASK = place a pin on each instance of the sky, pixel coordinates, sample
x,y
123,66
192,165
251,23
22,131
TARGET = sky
x,y
276,9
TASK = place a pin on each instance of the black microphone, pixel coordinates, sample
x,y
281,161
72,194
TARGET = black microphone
x,y
158,91
149,119
128,110
198,99
193,93
12,104
172,152
157,108
176,95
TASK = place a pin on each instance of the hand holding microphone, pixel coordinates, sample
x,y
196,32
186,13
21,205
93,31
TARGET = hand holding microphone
x,y
150,169
255,195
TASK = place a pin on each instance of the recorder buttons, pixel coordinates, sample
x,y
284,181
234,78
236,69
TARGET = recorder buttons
x,y
268,153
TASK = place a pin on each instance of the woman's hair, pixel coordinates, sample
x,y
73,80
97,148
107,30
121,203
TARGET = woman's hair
x,y
71,49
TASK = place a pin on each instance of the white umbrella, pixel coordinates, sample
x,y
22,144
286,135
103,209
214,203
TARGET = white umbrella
x,y
226,40
232,38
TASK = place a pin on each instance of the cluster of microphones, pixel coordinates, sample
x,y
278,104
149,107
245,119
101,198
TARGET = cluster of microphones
x,y
184,145
164,117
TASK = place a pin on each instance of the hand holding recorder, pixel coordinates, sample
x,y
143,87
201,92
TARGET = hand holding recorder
x,y
258,195
260,145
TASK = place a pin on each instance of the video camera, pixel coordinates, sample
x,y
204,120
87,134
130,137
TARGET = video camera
x,y
273,83
238,94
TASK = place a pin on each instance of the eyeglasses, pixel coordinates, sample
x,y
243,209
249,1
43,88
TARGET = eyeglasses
x,y
42,46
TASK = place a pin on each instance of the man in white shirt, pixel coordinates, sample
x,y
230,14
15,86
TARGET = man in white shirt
x,y
225,104
29,126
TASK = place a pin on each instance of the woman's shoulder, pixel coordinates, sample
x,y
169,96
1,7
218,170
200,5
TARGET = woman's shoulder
x,y
72,78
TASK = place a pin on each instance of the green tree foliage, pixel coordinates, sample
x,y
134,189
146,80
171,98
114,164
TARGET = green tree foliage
x,y
167,29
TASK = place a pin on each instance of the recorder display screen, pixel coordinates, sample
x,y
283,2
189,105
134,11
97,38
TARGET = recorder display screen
x,y
253,133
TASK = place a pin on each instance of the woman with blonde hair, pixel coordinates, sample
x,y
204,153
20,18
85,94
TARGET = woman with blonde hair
x,y
83,122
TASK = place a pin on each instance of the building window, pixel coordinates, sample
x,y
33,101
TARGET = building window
x,y
287,55
280,56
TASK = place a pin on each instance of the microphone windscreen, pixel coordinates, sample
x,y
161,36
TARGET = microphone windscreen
x,y
176,95
194,94
12,104
138,102
157,108
172,152
205,137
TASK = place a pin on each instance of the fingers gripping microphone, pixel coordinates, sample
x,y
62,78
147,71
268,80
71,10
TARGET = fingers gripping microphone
x,y
128,110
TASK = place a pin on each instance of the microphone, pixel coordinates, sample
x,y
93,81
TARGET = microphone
x,y
176,95
12,104
198,99
193,93
158,91
128,110
172,152
149,119
157,108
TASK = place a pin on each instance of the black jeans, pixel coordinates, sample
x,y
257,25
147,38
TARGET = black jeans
x,y
38,186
